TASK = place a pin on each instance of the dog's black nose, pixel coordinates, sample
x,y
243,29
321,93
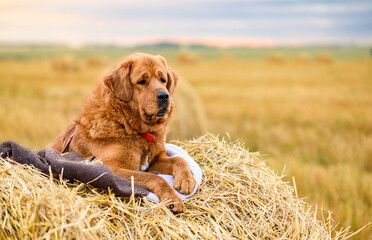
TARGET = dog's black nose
x,y
162,97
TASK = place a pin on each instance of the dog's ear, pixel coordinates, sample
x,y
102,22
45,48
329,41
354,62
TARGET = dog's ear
x,y
172,80
118,81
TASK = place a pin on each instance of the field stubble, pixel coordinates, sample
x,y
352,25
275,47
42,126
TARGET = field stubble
x,y
314,118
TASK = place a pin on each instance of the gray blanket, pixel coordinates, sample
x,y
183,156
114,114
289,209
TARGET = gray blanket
x,y
72,167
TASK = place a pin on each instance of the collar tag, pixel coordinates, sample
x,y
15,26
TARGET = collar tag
x,y
148,136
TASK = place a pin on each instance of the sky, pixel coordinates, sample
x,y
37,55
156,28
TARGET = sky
x,y
222,23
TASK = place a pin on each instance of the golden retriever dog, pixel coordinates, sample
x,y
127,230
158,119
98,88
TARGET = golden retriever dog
x,y
123,123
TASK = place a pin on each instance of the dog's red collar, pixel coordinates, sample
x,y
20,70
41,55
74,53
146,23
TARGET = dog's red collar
x,y
148,136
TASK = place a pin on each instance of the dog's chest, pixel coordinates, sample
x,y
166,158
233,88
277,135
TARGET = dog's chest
x,y
148,153
145,164
149,150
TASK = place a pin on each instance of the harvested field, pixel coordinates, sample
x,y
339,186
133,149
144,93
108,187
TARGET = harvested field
x,y
310,118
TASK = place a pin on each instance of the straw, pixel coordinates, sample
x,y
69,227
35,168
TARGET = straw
x,y
239,198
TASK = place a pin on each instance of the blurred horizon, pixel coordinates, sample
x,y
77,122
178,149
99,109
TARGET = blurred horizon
x,y
181,44
222,23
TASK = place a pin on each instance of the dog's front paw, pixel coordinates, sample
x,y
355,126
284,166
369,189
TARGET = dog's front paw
x,y
173,202
184,183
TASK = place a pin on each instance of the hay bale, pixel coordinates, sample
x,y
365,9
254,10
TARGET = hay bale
x,y
302,58
96,61
189,118
187,57
226,58
239,198
275,58
66,64
324,58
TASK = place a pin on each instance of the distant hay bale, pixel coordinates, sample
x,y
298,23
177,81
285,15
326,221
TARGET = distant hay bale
x,y
66,64
189,118
187,57
275,57
239,198
302,58
96,61
226,58
323,58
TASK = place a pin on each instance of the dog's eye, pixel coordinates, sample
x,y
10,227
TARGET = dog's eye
x,y
162,80
143,82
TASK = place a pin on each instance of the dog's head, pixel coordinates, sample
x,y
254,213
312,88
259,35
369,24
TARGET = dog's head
x,y
145,83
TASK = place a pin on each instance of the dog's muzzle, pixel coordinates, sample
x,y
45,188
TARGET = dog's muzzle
x,y
163,102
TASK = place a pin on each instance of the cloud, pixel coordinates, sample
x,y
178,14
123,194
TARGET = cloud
x,y
35,19
128,21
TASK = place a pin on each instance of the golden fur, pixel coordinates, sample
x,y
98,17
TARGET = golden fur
x,y
114,116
